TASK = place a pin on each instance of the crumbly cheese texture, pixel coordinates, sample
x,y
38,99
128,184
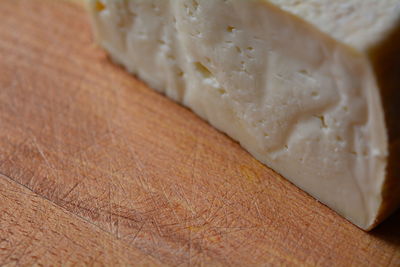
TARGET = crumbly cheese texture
x,y
300,84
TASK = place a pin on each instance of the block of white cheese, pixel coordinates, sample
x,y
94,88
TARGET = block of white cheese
x,y
310,88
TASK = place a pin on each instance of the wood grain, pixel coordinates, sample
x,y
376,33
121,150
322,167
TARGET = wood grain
x,y
99,169
35,231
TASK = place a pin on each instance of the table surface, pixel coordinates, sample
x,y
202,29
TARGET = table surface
x,y
96,168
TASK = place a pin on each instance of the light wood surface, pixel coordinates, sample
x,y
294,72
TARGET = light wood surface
x,y
97,169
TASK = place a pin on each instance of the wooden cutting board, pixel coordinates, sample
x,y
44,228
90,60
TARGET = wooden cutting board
x,y
97,169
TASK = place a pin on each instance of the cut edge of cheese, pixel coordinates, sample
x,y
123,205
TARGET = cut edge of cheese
x,y
300,101
385,59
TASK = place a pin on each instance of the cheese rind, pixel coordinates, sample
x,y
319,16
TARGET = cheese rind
x,y
303,102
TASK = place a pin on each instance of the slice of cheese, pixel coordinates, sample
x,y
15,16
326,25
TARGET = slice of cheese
x,y
310,88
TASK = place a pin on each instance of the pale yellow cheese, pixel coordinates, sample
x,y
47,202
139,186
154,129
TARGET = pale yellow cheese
x,y
298,83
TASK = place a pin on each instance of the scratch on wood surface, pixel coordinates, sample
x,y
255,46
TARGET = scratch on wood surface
x,y
70,191
132,241
40,150
39,229
157,226
109,202
95,259
172,208
51,168
181,195
213,212
140,166
96,143
117,226
258,210
54,203
155,244
192,184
